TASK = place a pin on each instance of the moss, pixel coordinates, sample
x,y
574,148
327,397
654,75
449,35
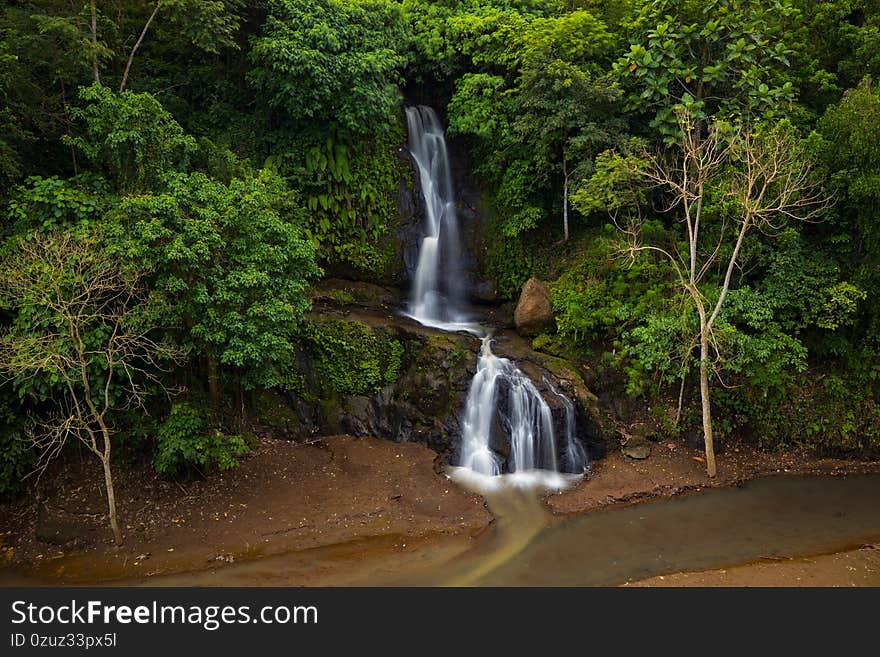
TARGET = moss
x,y
549,344
351,358
341,297
271,411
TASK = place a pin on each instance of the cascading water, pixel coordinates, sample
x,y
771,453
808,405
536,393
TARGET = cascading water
x,y
528,420
576,459
438,286
502,402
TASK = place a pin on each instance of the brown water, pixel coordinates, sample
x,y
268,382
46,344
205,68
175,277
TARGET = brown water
x,y
772,518
766,519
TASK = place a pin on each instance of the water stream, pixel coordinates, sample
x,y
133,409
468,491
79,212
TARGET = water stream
x,y
773,519
509,452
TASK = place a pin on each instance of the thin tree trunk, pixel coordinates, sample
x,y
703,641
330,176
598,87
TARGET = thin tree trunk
x,y
213,384
565,208
704,396
111,498
67,126
108,478
240,404
95,43
138,45
680,401
565,198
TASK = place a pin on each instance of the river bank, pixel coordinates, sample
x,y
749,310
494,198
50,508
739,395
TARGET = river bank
x,y
341,510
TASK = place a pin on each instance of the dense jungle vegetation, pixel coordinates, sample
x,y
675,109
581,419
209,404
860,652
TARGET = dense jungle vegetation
x,y
177,173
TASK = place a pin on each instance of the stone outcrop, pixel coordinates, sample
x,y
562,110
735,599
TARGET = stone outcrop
x,y
534,311
423,398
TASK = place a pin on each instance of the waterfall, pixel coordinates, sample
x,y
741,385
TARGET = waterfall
x,y
438,289
507,425
526,419
576,459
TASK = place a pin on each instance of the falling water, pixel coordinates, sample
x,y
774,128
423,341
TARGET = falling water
x,y
576,459
527,419
504,409
438,286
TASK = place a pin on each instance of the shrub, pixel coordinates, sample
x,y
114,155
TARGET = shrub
x,y
17,455
187,443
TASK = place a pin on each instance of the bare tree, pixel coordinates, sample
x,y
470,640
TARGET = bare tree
x,y
79,330
770,181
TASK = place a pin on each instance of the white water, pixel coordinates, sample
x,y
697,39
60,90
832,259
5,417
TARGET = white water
x,y
501,400
576,459
438,288
527,419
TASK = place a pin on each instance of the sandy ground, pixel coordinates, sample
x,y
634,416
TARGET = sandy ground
x,y
284,498
855,568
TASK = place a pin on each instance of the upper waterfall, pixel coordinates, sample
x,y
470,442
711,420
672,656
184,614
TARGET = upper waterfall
x,y
438,289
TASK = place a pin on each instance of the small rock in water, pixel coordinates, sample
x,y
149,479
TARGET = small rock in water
x,y
636,448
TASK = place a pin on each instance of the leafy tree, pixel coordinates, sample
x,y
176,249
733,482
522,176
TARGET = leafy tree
x,y
186,441
229,266
718,58
208,24
539,124
332,61
52,204
16,450
130,138
567,115
851,135
761,179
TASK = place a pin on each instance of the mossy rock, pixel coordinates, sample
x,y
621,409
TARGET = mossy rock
x,y
351,358
274,412
342,292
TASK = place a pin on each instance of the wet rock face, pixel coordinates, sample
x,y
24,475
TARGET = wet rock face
x,y
410,218
426,400
534,311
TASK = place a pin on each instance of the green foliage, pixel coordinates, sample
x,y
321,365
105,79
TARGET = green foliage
x,y
350,358
130,138
350,191
537,93
42,62
509,261
52,204
537,123
850,149
330,61
230,267
601,296
186,442
832,413
722,58
17,455
614,185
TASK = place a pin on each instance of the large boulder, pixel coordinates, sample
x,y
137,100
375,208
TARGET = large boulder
x,y
534,311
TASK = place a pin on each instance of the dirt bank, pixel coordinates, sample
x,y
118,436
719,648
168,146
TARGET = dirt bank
x,y
673,468
285,497
859,567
